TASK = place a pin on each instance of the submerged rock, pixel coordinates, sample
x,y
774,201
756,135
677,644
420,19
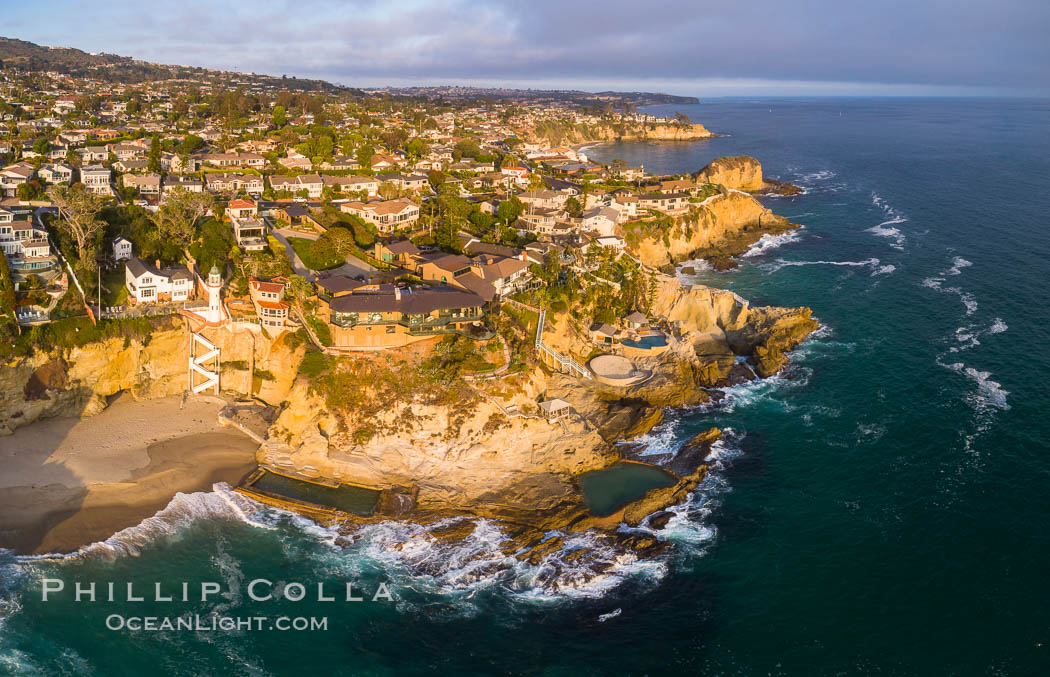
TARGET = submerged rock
x,y
659,520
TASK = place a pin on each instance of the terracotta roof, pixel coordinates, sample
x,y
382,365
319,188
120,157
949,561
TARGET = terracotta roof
x,y
272,287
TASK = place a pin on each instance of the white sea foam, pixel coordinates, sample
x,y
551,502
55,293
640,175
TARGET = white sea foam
x,y
698,266
769,242
937,283
990,394
958,263
612,614
182,511
885,228
873,263
970,337
813,177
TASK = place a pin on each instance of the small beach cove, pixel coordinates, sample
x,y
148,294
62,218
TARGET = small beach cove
x,y
68,482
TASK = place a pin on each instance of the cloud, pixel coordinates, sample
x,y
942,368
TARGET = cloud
x,y
933,43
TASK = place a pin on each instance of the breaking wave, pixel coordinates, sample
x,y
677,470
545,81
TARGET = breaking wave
x,y
769,242
181,512
876,266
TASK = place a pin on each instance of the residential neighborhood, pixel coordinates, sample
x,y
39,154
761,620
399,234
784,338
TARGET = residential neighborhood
x,y
366,222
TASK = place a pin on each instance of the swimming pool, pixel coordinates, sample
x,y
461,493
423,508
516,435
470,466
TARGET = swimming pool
x,y
346,497
647,342
609,489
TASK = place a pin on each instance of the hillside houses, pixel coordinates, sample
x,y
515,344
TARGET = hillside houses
x,y
26,247
267,297
235,160
13,176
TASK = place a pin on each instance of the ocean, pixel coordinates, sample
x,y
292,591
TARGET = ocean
x,y
882,507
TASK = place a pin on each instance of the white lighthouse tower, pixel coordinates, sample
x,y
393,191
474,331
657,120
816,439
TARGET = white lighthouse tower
x,y
213,286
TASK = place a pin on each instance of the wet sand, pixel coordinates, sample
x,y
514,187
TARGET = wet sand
x,y
66,483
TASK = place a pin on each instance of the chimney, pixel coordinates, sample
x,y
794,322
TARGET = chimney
x,y
158,264
397,293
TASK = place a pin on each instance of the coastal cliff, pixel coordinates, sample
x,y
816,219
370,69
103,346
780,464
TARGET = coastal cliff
x,y
555,134
742,172
77,381
489,454
721,227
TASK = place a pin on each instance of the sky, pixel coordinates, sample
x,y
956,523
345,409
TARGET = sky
x,y
698,48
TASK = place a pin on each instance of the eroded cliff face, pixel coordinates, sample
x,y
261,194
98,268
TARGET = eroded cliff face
x,y
77,383
623,132
723,226
740,172
712,318
668,132
519,469
479,460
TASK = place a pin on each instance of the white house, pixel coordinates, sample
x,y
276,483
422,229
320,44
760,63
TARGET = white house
x,y
96,179
56,173
149,284
601,220
613,242
121,249
271,308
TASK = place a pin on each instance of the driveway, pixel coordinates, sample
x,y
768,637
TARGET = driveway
x,y
297,263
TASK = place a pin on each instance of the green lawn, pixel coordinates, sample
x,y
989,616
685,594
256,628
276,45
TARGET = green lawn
x,y
114,293
313,259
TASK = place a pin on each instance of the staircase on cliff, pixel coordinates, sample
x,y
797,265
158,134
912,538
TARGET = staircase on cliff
x,y
204,363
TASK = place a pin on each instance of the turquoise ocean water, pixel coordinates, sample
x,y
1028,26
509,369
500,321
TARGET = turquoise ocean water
x,y
881,508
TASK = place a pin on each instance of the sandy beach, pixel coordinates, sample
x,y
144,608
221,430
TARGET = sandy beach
x,y
68,482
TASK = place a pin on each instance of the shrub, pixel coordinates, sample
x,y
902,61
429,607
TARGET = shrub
x,y
314,364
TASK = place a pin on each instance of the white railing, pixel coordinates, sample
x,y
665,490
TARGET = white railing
x,y
199,364
562,361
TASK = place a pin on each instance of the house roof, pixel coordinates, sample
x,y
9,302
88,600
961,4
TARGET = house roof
x,y
474,283
138,268
554,405
338,283
493,269
401,247
637,318
412,301
271,287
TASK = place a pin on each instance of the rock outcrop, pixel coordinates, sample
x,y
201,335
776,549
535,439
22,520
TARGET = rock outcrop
x,y
715,319
520,470
742,172
655,131
723,226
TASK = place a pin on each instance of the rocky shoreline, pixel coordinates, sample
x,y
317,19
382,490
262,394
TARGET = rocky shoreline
x,y
466,456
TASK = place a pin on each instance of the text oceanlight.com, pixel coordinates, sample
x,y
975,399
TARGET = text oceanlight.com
x,y
216,623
